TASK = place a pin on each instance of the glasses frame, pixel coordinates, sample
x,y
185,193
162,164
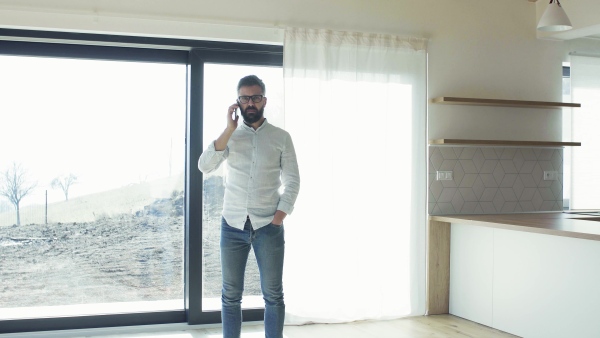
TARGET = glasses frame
x,y
247,98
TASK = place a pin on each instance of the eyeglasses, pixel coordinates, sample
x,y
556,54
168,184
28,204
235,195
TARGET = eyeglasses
x,y
246,99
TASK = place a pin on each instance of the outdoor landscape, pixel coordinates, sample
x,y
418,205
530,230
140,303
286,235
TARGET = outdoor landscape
x,y
122,245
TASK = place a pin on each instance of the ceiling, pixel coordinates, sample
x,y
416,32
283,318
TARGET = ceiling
x,y
582,13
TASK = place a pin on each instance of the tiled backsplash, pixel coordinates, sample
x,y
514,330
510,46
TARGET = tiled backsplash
x,y
491,180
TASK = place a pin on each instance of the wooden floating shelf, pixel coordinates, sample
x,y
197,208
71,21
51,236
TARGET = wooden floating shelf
x,y
503,103
446,141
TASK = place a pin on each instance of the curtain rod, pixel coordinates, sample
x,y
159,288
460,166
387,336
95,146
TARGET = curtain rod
x,y
585,54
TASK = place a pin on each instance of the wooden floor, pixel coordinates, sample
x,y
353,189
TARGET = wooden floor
x,y
446,326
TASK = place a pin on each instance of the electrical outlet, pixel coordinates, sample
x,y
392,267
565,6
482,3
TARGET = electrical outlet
x,y
444,176
550,175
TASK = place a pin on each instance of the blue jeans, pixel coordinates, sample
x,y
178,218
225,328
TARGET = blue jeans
x,y
268,244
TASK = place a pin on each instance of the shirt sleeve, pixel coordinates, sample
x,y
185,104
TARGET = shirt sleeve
x,y
290,178
211,158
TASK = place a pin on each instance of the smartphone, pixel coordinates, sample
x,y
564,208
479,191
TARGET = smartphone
x,y
236,109
234,114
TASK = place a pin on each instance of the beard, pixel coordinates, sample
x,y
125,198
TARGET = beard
x,y
254,115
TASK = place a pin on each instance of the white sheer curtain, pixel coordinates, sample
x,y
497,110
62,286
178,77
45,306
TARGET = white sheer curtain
x,y
355,105
585,89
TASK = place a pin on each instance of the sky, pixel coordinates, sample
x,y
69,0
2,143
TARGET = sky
x,y
109,123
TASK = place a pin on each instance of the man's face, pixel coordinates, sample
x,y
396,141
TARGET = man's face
x,y
252,111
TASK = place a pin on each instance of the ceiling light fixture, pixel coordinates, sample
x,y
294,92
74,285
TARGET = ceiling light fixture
x,y
554,18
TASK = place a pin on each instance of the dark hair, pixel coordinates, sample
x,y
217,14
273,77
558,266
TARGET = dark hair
x,y
251,80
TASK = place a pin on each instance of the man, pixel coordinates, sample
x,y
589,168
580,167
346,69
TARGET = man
x,y
260,161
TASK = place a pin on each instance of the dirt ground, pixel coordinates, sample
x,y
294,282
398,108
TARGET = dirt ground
x,y
117,259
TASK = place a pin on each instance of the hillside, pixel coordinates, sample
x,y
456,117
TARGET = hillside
x,y
125,200
132,249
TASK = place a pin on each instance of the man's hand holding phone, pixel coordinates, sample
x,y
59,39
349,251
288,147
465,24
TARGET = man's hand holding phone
x,y
232,116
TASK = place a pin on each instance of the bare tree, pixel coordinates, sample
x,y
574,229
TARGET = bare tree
x,y
64,183
14,186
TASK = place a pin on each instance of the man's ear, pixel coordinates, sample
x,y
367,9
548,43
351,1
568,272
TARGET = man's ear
x,y
265,98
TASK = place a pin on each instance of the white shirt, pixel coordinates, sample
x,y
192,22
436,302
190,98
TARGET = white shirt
x,y
259,163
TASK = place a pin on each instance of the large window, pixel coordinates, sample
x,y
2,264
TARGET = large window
x,y
92,186
567,130
101,200
585,89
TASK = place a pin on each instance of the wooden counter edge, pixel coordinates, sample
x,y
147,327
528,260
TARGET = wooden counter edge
x,y
438,268
515,227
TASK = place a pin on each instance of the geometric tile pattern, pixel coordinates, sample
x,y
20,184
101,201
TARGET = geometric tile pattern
x,y
494,180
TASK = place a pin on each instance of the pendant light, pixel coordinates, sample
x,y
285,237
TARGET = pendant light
x,y
554,18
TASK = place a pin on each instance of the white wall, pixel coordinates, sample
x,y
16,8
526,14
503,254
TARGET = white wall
x,y
489,49
478,48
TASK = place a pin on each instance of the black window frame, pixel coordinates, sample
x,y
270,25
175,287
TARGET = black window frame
x,y
194,54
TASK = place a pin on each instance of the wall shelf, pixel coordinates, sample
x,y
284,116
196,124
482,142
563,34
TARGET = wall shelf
x,y
464,142
503,103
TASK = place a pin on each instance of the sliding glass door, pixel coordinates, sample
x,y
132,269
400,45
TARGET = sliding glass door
x,y
220,91
101,200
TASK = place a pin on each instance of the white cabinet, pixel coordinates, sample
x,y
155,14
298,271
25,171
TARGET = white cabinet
x,y
531,285
471,275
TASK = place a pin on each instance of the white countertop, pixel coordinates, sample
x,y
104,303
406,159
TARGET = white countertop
x,y
551,223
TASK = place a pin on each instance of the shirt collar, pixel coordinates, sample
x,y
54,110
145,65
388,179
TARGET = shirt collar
x,y
247,127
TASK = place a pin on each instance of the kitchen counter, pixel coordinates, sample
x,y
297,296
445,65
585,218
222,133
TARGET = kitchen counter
x,y
551,223
532,275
